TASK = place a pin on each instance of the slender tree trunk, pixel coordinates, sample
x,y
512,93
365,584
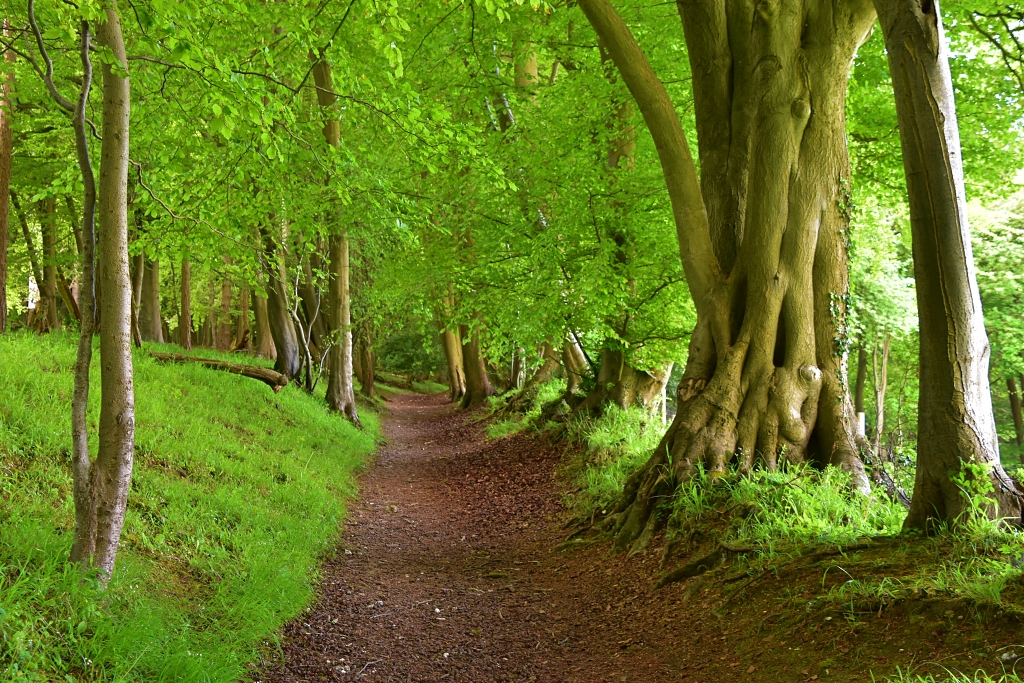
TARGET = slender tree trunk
x,y
185,318
367,360
282,327
340,394
881,381
76,228
48,221
1015,410
264,339
478,386
150,321
243,340
84,544
224,319
6,153
858,392
33,258
111,472
956,427
138,275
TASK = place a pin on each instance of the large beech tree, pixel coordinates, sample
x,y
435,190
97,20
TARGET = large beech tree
x,y
761,236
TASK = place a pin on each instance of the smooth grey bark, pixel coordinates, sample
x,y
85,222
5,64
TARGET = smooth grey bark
x,y
956,427
101,487
881,381
279,318
48,222
224,319
264,339
1015,410
453,359
6,153
858,392
340,393
150,322
185,316
478,385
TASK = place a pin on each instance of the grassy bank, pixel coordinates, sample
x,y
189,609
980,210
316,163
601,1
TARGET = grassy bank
x,y
236,494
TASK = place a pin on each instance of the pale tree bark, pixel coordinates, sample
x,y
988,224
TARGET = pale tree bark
x,y
881,381
138,264
858,391
279,318
150,321
185,316
243,335
453,359
760,236
39,313
340,393
956,427
101,487
575,364
48,221
1015,410
264,339
224,319
6,153
478,385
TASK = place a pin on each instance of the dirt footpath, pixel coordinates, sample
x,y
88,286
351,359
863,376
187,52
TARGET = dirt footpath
x,y
447,572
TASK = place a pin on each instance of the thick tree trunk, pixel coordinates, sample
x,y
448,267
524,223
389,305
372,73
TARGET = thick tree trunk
x,y
48,221
760,235
224,319
6,152
858,392
282,327
956,428
478,386
621,384
264,339
340,394
453,359
1015,410
367,358
881,380
103,493
150,322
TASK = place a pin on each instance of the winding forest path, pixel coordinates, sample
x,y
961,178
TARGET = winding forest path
x,y
447,572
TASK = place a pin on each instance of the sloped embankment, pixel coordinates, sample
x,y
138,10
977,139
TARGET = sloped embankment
x,y
236,495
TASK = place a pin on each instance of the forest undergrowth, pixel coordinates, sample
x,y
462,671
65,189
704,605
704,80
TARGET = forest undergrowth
x,y
233,489
737,530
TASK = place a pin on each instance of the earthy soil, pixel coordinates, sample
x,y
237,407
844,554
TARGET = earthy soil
x,y
448,571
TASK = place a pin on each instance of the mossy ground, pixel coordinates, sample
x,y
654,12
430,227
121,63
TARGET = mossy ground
x,y
236,495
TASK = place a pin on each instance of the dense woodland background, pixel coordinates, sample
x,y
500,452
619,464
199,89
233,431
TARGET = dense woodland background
x,y
457,193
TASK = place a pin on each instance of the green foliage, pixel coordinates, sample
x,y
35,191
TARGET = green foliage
x,y
544,394
236,495
793,506
618,442
412,351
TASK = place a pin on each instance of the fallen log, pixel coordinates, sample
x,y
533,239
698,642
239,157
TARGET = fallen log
x,y
275,380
